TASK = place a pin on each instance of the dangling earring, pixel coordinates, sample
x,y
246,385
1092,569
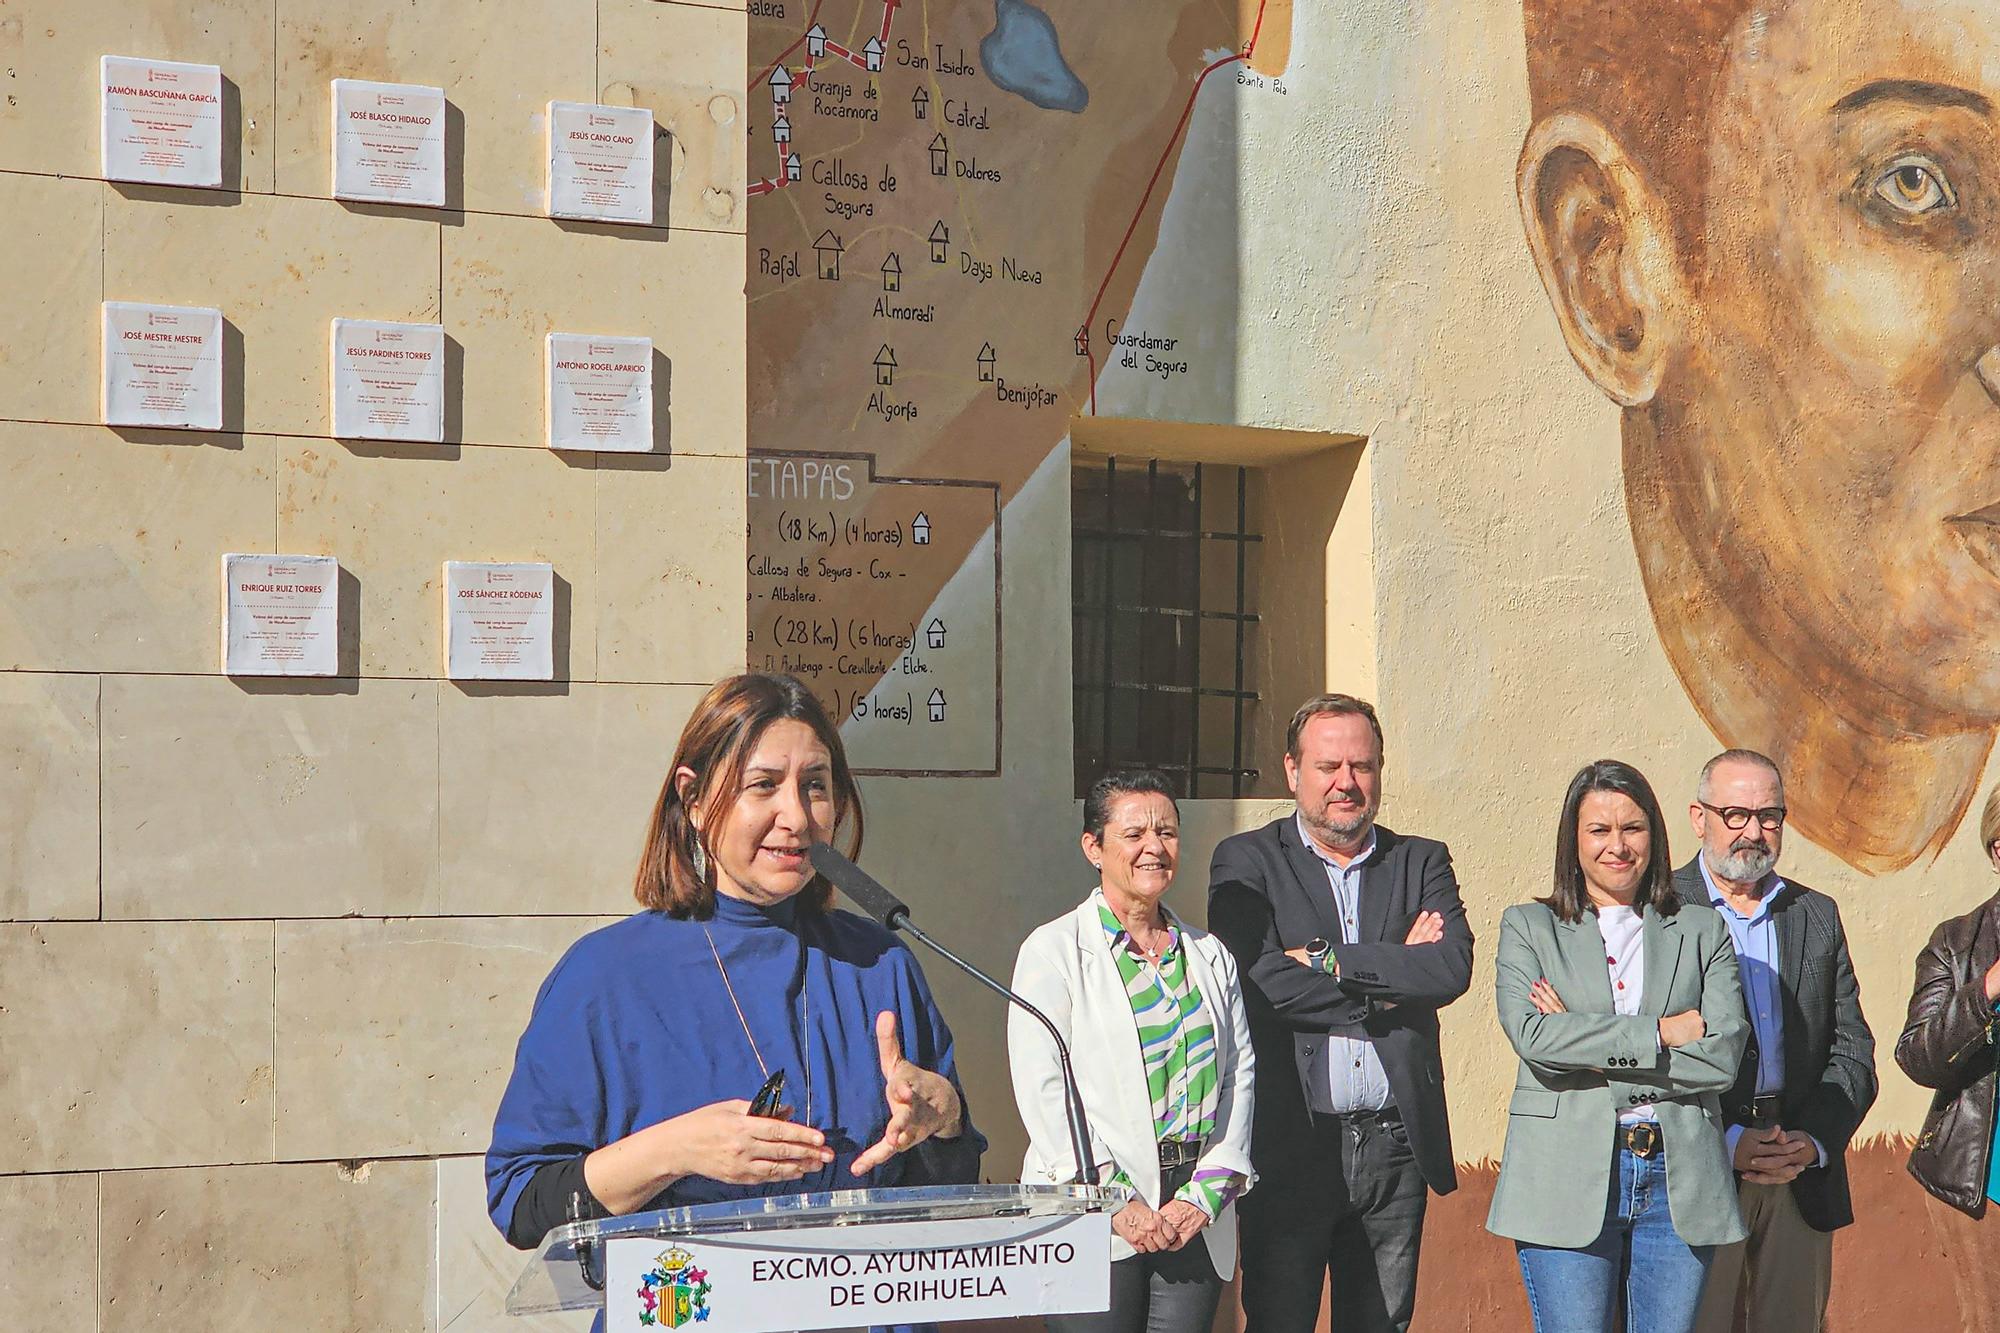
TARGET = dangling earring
x,y
700,863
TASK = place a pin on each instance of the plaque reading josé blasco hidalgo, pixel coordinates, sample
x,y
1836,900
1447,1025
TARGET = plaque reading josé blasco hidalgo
x,y
280,615
162,366
162,121
388,143
499,621
600,162
388,381
600,393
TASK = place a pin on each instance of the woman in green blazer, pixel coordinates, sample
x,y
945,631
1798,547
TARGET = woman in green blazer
x,y
1625,1009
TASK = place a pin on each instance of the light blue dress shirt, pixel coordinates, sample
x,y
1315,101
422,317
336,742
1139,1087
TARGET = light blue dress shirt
x,y
1756,940
1356,1080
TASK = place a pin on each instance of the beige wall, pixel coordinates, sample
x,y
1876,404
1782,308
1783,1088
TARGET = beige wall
x,y
1348,258
265,947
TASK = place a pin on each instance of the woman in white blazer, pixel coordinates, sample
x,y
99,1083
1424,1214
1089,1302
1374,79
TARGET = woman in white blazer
x,y
1153,1016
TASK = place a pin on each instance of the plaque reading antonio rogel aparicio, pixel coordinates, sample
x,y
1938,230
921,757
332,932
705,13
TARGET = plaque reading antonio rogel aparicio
x,y
600,393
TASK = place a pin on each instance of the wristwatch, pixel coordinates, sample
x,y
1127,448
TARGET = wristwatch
x,y
1316,951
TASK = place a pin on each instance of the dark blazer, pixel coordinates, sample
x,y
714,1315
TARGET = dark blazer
x,y
1829,1052
1267,893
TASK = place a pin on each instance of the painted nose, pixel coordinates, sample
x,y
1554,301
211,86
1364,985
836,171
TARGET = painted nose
x,y
1987,368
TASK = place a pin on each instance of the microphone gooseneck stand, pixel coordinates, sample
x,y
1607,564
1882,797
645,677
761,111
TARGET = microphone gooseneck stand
x,y
872,897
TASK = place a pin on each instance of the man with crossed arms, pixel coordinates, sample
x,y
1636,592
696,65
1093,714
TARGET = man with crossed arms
x,y
1349,938
1808,1073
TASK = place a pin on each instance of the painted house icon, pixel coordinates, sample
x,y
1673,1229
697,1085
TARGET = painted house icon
x,y
920,529
934,633
781,129
792,167
892,273
940,241
828,248
815,43
1083,340
872,53
936,704
920,102
885,366
781,85
940,156
986,363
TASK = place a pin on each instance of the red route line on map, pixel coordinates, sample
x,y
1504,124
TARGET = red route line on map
x,y
761,187
765,185
1187,111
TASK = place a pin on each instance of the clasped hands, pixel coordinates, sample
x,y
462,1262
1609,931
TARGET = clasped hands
x,y
1774,1156
1428,928
1173,1225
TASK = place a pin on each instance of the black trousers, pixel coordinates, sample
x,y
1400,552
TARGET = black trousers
x,y
1174,1291
1352,1210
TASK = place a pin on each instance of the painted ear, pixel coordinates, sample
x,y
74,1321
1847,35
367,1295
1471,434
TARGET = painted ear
x,y
1604,243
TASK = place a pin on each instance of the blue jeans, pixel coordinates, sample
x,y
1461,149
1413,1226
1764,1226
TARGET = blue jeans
x,y
1638,1256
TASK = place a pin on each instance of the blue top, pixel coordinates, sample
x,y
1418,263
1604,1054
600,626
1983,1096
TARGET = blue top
x,y
1756,940
634,1026
1993,1157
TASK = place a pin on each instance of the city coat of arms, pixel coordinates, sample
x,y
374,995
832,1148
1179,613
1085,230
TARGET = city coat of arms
x,y
673,1292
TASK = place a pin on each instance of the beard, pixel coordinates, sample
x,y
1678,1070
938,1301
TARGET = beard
x,y
1745,862
1337,832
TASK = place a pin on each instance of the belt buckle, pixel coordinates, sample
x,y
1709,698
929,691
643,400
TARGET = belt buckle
x,y
1643,1139
1179,1152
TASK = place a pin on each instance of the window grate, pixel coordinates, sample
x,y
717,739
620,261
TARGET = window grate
x,y
1153,639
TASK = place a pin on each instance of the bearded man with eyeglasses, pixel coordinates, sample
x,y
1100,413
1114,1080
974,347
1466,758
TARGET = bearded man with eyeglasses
x,y
1808,1073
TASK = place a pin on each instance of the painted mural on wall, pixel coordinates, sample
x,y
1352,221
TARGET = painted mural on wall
x,y
1771,234
951,205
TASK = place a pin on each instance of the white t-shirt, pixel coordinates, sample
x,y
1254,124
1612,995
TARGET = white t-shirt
x,y
1624,932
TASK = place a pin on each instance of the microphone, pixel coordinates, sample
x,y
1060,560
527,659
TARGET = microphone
x,y
872,897
861,888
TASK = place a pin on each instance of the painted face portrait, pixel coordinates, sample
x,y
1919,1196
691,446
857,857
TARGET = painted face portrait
x,y
1771,233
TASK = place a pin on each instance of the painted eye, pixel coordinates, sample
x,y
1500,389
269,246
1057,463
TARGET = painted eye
x,y
1915,186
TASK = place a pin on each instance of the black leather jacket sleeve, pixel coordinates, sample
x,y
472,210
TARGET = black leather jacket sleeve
x,y
1950,1018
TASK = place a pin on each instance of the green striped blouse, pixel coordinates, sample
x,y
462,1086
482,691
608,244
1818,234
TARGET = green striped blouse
x,y
1178,1046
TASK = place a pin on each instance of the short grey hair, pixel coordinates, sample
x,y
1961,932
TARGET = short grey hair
x,y
1705,788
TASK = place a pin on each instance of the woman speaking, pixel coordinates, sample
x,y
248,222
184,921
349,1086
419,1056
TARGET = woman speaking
x,y
737,1037
1151,1011
1624,1007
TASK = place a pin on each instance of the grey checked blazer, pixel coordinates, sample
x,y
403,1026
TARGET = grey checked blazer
x,y
1579,1069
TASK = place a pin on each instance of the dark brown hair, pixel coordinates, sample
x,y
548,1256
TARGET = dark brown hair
x,y
1570,898
715,744
1122,782
1336,705
1649,73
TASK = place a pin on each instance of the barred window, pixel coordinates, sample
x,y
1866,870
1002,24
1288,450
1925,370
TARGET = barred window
x,y
1163,631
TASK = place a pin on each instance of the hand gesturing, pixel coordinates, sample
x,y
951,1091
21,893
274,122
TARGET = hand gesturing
x,y
921,1103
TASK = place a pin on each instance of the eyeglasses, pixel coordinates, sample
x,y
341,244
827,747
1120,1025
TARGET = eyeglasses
x,y
1771,817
